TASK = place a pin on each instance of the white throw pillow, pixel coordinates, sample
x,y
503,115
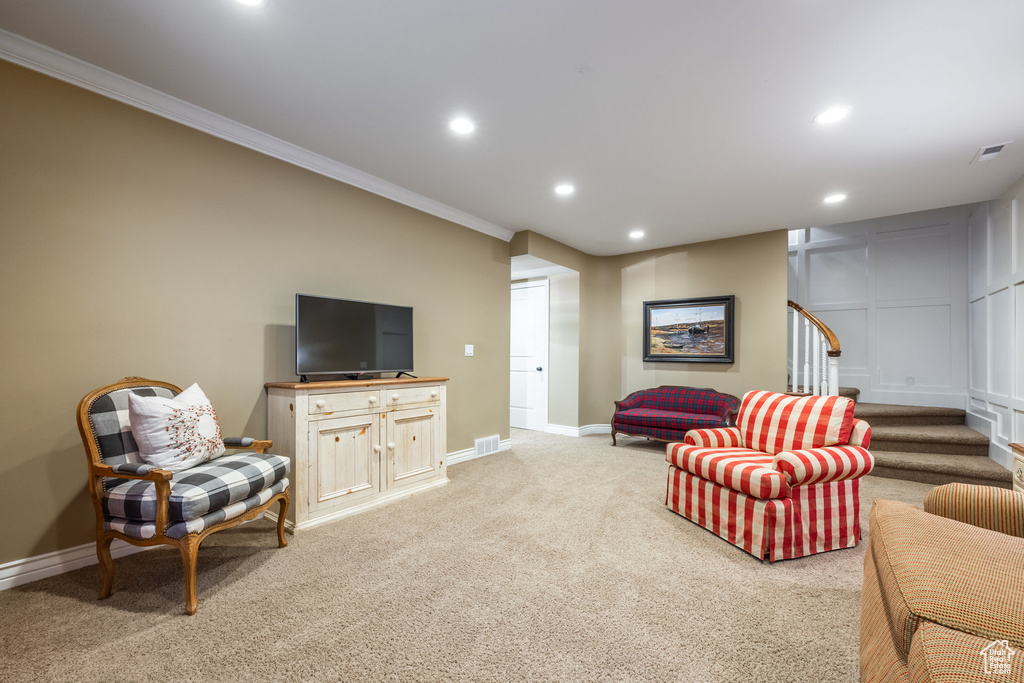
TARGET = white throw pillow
x,y
175,433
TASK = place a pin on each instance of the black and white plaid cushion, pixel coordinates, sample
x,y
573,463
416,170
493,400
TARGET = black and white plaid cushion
x,y
198,491
145,530
108,416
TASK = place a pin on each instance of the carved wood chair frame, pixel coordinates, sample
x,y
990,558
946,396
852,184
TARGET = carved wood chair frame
x,y
188,544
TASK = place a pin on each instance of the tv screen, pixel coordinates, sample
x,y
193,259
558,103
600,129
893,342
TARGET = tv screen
x,y
344,337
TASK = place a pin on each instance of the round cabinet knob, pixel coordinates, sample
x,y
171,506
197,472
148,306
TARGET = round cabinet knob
x,y
321,404
394,397
433,394
373,399
391,446
376,449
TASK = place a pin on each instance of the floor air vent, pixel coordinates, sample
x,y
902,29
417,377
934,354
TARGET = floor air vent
x,y
487,445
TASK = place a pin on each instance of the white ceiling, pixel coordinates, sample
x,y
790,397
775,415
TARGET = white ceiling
x,y
691,119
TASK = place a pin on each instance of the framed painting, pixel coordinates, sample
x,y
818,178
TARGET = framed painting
x,y
690,330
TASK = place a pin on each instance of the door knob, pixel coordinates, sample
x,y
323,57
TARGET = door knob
x,y
539,368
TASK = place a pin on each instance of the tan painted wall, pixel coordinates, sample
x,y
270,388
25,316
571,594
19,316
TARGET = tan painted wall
x,y
564,351
131,245
753,268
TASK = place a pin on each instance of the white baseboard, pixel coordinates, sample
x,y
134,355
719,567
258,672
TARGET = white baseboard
x,y
562,430
31,569
585,430
456,457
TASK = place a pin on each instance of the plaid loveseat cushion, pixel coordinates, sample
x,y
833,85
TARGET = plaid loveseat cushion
x,y
200,490
666,419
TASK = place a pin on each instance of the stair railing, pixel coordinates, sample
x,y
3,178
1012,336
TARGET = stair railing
x,y
820,352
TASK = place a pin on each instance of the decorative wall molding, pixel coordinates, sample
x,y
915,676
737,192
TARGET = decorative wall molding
x,y
31,569
45,60
456,457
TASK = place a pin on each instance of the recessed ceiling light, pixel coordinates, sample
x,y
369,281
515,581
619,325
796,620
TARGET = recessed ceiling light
x,y
564,190
462,125
834,198
252,3
636,234
832,115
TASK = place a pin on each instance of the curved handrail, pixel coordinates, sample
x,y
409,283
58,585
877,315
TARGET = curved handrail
x,y
833,341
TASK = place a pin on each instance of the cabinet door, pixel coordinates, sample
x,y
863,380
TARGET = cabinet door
x,y
413,442
345,465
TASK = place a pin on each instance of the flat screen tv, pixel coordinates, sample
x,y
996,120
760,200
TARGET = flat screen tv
x,y
345,337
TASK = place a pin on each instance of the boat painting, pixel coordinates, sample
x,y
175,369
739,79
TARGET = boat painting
x,y
694,330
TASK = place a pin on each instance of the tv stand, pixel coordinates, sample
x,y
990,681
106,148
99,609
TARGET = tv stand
x,y
355,445
403,372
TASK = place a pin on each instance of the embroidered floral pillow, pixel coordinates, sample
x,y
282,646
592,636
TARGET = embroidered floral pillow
x,y
175,433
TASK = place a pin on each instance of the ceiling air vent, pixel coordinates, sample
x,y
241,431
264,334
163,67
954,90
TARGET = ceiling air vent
x,y
990,152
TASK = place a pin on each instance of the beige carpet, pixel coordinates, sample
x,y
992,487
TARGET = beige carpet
x,y
555,561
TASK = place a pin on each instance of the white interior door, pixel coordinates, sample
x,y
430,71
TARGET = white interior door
x,y
529,357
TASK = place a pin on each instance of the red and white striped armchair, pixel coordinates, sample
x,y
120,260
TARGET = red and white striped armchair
x,y
783,483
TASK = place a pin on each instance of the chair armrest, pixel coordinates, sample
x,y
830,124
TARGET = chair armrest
x,y
634,400
730,416
819,465
249,443
722,437
860,434
133,470
988,507
161,482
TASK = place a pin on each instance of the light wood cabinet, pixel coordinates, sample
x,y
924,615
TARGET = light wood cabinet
x,y
355,445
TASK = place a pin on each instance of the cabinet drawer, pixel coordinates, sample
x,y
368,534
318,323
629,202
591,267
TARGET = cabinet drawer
x,y
327,404
405,397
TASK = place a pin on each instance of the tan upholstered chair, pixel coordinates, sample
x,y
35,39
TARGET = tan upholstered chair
x,y
943,595
145,505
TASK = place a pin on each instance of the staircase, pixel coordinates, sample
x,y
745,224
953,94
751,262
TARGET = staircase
x,y
916,443
927,444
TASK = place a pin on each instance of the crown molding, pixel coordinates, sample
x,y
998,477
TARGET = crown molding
x,y
32,55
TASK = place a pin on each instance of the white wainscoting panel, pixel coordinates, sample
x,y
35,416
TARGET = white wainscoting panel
x,y
927,362
837,275
996,257
1004,425
999,241
915,264
979,345
1000,349
894,290
851,327
977,247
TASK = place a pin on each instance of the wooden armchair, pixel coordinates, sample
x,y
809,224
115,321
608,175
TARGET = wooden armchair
x,y
145,505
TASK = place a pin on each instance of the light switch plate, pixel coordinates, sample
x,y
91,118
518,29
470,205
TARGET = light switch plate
x,y
469,349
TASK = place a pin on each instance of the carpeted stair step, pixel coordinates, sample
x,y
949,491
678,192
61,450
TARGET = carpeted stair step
x,y
939,468
944,439
888,415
